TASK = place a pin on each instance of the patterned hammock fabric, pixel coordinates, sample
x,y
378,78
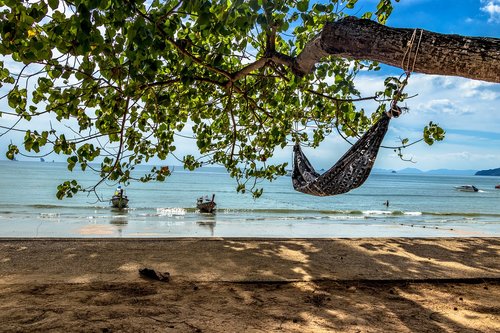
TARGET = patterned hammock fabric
x,y
348,173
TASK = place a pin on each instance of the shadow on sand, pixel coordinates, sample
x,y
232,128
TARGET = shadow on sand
x,y
240,285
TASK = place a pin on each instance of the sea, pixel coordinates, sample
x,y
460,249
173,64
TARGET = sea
x,y
420,205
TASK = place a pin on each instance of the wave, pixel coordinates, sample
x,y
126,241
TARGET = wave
x,y
51,206
170,211
45,206
469,214
40,209
366,213
49,215
322,212
294,212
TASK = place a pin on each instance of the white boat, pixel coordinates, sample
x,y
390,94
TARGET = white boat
x,y
119,201
467,188
205,205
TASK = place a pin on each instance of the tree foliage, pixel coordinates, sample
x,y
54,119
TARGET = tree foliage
x,y
135,76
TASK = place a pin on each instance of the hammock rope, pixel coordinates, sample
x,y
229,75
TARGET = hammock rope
x,y
354,167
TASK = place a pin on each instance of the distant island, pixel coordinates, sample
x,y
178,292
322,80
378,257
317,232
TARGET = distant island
x,y
490,172
415,171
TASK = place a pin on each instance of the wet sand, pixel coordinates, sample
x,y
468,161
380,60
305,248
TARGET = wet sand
x,y
251,285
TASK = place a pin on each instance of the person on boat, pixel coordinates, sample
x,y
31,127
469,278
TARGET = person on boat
x,y
119,191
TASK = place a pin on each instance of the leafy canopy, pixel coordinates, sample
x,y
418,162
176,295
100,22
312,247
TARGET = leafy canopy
x,y
135,76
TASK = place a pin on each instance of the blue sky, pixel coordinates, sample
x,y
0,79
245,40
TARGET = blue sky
x,y
469,110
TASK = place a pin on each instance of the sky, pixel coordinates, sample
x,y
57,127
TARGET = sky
x,y
468,110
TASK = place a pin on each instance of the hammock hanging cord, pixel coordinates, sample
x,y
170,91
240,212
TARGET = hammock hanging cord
x,y
352,170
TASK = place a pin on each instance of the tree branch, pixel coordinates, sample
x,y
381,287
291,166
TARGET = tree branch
x,y
470,57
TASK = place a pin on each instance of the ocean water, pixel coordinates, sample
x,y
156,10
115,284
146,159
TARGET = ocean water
x,y
420,206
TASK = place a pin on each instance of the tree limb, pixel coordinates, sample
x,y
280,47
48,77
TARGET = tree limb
x,y
470,57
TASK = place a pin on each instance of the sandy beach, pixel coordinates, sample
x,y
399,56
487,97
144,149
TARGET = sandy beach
x,y
250,285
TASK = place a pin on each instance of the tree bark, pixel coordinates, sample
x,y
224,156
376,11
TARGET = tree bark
x,y
471,57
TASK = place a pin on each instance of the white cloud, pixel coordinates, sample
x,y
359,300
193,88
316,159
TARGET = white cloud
x,y
492,8
466,158
466,109
445,106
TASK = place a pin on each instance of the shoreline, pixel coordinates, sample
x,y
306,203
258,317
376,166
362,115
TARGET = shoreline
x,y
249,284
217,227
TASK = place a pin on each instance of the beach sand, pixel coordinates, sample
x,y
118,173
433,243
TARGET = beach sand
x,y
250,285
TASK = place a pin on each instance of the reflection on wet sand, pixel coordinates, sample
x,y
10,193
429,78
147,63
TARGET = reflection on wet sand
x,y
208,223
119,219
96,230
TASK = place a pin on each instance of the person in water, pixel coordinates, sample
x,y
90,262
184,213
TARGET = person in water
x,y
386,203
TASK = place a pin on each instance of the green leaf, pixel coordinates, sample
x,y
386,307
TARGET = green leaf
x,y
54,4
12,152
303,5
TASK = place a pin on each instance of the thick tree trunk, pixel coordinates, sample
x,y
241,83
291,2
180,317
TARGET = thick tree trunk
x,y
471,57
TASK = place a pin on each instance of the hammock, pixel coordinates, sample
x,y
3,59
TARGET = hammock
x,y
352,170
348,173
